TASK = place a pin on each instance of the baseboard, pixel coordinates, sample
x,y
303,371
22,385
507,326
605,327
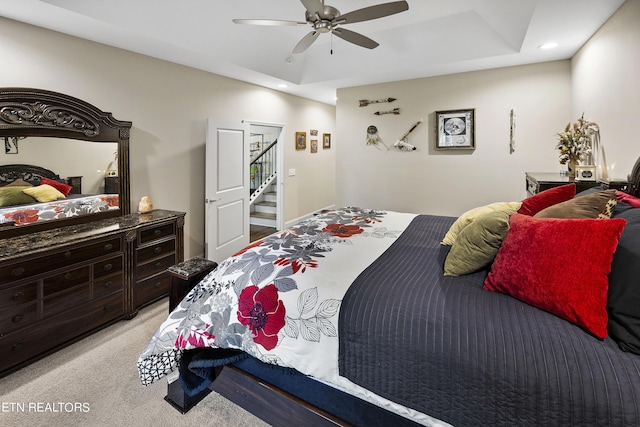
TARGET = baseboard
x,y
291,223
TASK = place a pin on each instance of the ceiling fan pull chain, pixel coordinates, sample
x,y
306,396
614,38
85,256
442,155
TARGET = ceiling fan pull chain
x,y
331,43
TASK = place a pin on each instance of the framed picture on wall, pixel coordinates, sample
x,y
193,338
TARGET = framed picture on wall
x,y
301,140
326,140
455,130
11,144
314,145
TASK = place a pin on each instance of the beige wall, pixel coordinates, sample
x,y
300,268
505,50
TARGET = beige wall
x,y
168,105
447,182
605,74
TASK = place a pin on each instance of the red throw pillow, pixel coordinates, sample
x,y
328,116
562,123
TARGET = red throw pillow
x,y
534,204
61,187
560,266
628,199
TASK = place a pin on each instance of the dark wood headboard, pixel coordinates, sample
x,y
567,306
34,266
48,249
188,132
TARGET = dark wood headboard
x,y
634,180
29,173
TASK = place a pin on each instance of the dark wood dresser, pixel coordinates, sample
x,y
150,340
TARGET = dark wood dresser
x,y
60,285
540,181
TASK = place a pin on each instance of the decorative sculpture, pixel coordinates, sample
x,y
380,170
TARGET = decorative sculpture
x,y
402,143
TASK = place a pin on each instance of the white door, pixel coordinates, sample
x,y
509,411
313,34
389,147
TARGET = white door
x,y
226,189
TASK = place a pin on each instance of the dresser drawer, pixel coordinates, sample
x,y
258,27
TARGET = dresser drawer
x,y
64,281
108,285
20,270
109,266
154,267
18,317
26,343
158,232
69,300
151,288
18,295
155,251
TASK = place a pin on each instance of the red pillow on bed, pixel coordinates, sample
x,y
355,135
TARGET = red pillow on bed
x,y
61,187
534,204
560,266
628,199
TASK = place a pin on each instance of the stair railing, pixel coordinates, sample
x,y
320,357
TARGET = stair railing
x,y
262,170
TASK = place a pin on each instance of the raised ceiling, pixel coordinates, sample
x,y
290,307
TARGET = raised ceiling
x,y
434,37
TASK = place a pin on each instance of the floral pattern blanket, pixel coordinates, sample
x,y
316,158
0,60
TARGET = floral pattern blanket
x,y
278,299
64,208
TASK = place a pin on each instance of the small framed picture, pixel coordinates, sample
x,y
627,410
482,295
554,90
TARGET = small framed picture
x,y
313,132
456,130
314,146
301,140
326,140
11,145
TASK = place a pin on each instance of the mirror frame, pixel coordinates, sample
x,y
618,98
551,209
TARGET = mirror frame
x,y
26,112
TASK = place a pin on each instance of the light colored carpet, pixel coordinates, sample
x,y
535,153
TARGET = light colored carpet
x,y
95,383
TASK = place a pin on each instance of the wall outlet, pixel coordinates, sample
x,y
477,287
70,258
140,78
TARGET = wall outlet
x,y
292,172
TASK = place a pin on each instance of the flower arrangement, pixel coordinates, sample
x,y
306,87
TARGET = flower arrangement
x,y
575,141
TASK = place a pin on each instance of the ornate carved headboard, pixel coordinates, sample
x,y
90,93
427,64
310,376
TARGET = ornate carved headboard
x,y
634,180
29,173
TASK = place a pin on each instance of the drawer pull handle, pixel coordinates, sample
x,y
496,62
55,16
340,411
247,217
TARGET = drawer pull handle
x,y
17,318
108,246
18,296
157,249
158,264
157,285
157,232
67,254
17,347
108,284
107,267
107,307
67,276
18,272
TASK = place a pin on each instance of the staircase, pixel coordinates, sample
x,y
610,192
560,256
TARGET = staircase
x,y
263,209
263,205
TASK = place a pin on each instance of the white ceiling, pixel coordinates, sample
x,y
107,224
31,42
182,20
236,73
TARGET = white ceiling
x,y
434,37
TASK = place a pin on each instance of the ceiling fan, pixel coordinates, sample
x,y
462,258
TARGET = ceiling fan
x,y
327,19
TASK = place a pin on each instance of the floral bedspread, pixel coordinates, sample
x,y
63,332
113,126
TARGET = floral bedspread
x,y
64,208
279,298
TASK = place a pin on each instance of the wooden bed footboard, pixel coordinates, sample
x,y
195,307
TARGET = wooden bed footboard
x,y
269,403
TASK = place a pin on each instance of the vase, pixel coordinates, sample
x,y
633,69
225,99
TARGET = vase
x,y
573,164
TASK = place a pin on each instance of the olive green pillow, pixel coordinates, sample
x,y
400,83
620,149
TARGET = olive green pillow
x,y
471,215
13,196
477,244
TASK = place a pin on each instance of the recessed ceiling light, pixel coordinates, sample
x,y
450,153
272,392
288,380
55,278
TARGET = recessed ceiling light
x,y
549,45
282,85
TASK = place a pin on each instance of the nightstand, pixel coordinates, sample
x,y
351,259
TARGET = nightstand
x,y
540,181
111,184
76,184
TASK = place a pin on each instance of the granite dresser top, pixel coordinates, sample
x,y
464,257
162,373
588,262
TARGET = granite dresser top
x,y
50,239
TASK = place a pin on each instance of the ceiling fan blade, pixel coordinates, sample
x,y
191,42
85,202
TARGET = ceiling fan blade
x,y
373,12
272,22
355,38
313,6
306,42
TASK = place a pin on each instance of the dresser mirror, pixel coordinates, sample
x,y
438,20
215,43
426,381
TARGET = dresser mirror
x,y
49,136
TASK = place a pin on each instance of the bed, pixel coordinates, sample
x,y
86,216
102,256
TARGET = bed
x,y
370,317
50,197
